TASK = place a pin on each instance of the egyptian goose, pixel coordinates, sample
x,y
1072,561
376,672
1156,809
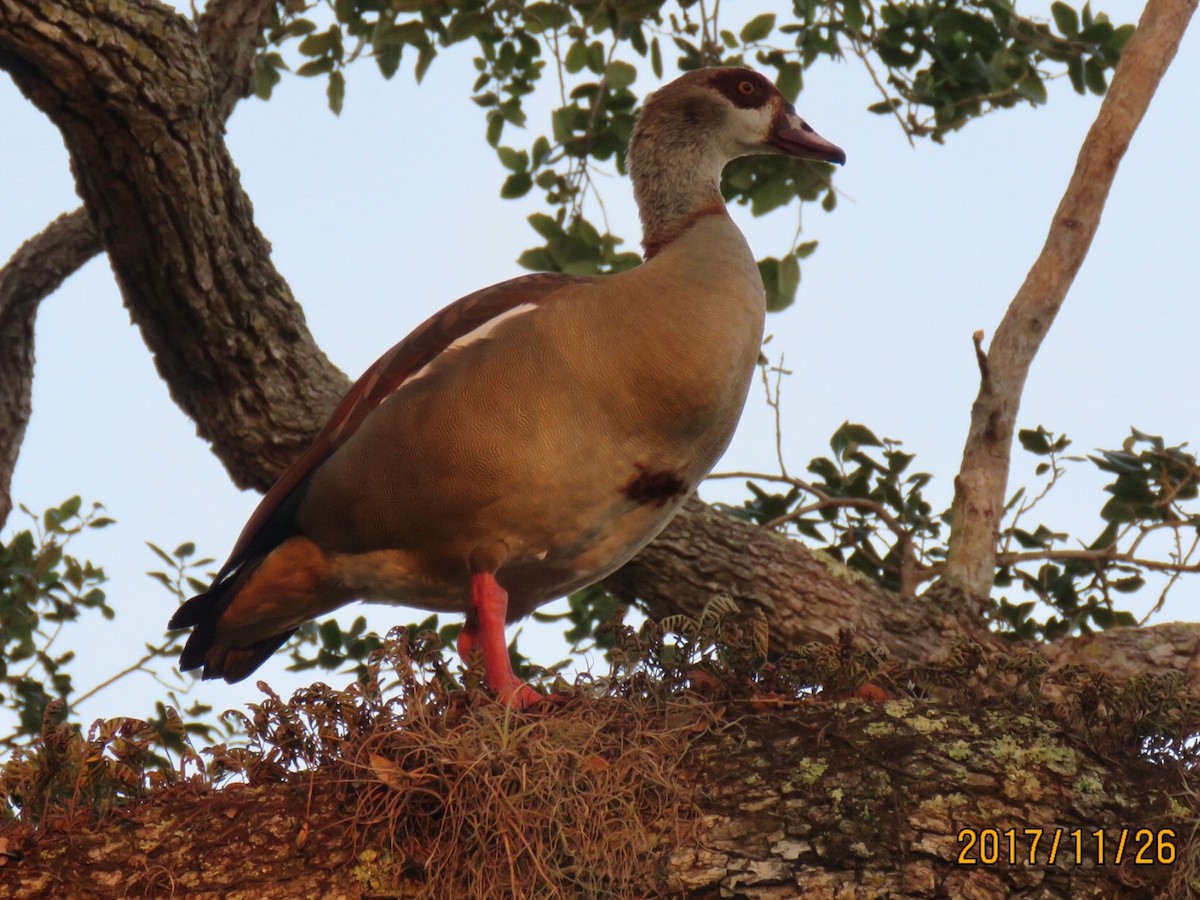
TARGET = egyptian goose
x,y
530,438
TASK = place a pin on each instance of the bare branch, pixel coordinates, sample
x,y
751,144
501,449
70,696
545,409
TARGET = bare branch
x,y
35,270
1106,556
982,480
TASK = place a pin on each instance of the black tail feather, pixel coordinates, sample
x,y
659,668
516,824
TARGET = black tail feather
x,y
202,613
234,665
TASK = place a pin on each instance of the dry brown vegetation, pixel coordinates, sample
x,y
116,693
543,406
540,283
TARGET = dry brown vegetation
x,y
410,785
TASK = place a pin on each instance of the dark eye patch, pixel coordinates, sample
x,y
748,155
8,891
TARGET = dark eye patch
x,y
744,88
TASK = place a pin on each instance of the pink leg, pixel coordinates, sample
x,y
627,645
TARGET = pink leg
x,y
487,632
468,639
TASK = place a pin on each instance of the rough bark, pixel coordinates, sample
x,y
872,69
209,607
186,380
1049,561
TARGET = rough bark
x,y
805,597
35,271
140,99
982,481
817,801
820,800
229,31
146,143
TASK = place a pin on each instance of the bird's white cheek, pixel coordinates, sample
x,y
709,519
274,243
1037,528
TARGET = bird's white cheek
x,y
752,132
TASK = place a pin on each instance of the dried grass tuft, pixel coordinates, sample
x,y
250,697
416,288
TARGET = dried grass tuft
x,y
466,797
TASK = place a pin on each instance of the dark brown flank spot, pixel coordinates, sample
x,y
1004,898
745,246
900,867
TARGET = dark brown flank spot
x,y
653,487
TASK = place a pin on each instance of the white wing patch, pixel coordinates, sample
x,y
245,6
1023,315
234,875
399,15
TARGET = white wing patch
x,y
479,333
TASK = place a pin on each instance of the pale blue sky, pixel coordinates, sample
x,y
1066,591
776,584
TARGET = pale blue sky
x,y
389,212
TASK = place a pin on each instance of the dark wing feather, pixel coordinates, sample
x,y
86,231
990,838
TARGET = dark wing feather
x,y
272,522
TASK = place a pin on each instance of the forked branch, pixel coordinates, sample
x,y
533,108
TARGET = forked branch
x,y
979,488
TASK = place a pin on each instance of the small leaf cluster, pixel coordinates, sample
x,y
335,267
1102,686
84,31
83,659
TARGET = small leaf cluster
x,y
1152,493
949,62
327,646
68,778
945,62
183,576
43,588
864,507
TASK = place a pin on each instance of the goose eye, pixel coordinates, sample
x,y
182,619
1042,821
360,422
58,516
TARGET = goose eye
x,y
746,87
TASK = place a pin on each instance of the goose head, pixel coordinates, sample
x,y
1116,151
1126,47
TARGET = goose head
x,y
690,129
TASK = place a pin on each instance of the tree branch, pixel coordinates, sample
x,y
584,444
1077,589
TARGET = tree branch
x,y
35,271
806,597
229,31
146,142
983,478
815,800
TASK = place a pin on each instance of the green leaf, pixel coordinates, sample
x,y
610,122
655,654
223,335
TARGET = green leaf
x,y
805,250
537,259
1121,37
546,226
656,59
1032,88
1075,73
1128,585
516,185
758,28
789,280
331,634
1099,33
336,91
405,33
266,76
513,160
790,80
1066,19
619,75
495,125
1093,76
161,554
1035,440
388,60
852,433
576,57
425,57
301,27
316,67
768,270
321,44
852,14
541,17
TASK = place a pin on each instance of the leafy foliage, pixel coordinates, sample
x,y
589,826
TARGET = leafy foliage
x,y
42,589
1151,502
938,65
865,509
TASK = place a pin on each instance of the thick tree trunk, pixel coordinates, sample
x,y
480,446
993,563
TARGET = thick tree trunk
x,y
142,119
134,95
812,800
229,31
816,800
